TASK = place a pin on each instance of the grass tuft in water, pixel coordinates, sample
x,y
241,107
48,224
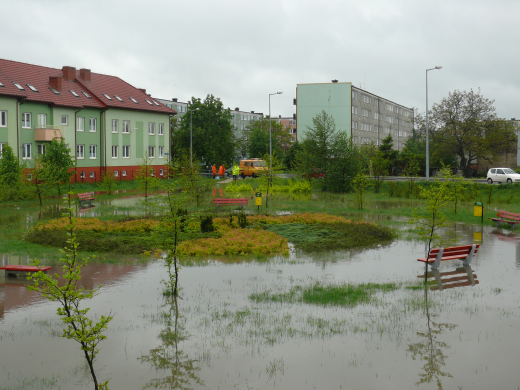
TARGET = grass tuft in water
x,y
348,295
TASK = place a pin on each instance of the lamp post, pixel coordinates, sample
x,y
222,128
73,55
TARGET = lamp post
x,y
270,140
191,136
427,133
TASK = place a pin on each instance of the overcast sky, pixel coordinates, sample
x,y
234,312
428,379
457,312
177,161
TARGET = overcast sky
x,y
241,50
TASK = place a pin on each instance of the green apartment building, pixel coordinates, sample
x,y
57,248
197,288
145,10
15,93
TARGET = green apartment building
x,y
109,125
364,116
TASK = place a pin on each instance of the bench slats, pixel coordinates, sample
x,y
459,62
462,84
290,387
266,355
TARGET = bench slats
x,y
464,252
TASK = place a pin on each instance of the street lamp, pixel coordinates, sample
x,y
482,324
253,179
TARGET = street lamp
x,y
191,136
427,147
270,140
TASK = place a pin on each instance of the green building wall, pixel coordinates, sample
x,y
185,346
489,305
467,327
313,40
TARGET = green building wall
x,y
9,134
333,98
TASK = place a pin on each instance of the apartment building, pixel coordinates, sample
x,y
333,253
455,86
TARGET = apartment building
x,y
364,116
108,124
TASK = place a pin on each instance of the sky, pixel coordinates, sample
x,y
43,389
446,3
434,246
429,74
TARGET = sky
x,y
241,51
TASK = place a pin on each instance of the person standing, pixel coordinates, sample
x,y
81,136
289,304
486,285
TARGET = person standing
x,y
214,170
236,171
221,171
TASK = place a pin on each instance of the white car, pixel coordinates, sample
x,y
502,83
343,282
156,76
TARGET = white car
x,y
502,175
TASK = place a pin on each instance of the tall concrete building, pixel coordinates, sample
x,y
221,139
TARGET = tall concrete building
x,y
364,116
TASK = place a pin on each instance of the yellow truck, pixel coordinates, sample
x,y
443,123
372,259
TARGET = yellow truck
x,y
252,167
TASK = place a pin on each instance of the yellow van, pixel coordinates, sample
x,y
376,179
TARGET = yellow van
x,y
251,167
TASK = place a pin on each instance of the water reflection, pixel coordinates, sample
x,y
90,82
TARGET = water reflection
x,y
183,371
429,349
461,277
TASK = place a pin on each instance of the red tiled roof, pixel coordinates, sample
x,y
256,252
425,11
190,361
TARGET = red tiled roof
x,y
38,76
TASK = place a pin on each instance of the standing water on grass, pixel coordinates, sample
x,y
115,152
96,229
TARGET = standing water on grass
x,y
256,324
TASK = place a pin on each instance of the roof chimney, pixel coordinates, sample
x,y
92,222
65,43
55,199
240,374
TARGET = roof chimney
x,y
69,73
55,82
237,109
334,81
174,100
279,116
252,112
143,90
85,74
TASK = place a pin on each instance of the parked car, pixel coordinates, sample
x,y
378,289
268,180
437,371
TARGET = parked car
x,y
502,175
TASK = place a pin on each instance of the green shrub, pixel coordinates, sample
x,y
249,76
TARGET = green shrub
x,y
206,224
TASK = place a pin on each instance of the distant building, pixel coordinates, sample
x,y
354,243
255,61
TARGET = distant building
x,y
108,124
364,116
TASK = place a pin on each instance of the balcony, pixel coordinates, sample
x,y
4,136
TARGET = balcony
x,y
47,132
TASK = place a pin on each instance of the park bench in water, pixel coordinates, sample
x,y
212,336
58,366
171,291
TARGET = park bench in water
x,y
86,198
506,217
230,201
464,253
22,270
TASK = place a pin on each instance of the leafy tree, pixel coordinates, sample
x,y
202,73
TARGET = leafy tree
x,y
455,186
360,184
213,138
10,170
379,170
414,155
257,134
57,161
65,290
290,157
108,180
39,179
345,164
465,124
388,152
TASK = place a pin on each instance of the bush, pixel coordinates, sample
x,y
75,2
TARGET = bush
x,y
206,224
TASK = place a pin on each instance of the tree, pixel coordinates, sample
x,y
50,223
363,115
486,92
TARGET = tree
x,y
379,170
10,170
257,135
388,152
108,180
57,161
213,138
360,185
65,290
465,124
39,179
144,176
290,157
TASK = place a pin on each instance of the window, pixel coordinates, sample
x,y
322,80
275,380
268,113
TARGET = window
x,y
80,151
54,91
26,120
151,128
116,173
81,123
126,151
118,98
41,149
64,120
93,151
74,93
376,115
149,102
115,151
92,175
3,118
354,110
2,85
19,86
92,124
42,121
161,151
33,88
26,151
108,97
29,176
135,101
354,125
152,172
161,172
126,127
161,128
151,151
154,102
114,125
82,175
124,172
1,149
354,95
87,95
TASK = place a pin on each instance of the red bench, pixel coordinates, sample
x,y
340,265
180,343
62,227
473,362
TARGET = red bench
x,y
506,217
86,198
15,270
461,277
465,253
230,201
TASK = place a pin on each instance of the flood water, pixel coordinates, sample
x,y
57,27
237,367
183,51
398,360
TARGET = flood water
x,y
215,337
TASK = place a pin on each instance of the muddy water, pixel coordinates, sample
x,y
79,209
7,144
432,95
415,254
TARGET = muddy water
x,y
215,337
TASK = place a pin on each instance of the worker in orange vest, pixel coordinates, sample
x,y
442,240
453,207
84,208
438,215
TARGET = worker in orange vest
x,y
214,170
221,171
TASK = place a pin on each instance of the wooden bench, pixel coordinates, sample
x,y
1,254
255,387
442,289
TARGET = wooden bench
x,y
230,201
461,277
15,270
86,198
465,253
506,217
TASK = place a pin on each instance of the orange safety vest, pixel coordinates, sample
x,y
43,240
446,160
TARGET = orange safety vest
x,y
214,169
221,170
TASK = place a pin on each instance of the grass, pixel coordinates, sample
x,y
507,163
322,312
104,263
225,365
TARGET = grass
x,y
348,295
